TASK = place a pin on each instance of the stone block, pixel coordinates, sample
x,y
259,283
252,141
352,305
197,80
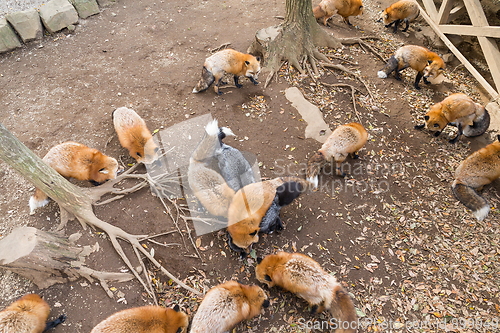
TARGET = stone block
x,y
27,24
58,14
8,38
85,8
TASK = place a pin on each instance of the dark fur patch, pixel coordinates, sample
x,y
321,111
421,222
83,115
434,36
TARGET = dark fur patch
x,y
207,78
391,66
266,304
259,260
469,197
268,278
52,324
288,192
177,308
480,126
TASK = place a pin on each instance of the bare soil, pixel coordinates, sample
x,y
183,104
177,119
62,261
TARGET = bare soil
x,y
148,55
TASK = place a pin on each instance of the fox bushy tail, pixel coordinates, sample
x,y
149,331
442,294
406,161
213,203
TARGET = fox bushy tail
x,y
472,200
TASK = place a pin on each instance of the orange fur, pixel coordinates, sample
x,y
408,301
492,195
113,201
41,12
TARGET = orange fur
x,y
26,315
345,8
145,319
207,184
228,61
401,10
227,304
134,135
427,63
480,168
248,207
301,275
71,159
418,58
345,139
456,108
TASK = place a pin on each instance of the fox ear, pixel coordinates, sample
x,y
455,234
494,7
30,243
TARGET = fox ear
x,y
429,62
426,117
259,259
104,171
386,16
247,63
176,308
258,59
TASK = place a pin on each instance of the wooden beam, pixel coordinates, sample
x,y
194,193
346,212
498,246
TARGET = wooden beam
x,y
469,30
431,8
456,12
444,11
490,48
491,91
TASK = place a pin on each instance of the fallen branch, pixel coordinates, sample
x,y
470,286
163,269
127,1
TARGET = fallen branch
x,y
359,40
47,258
77,202
223,46
344,69
353,88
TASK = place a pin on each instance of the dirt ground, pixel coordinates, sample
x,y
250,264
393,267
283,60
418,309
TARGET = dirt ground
x,y
394,236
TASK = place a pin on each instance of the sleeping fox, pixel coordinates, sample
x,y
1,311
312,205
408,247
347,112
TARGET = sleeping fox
x,y
228,61
71,159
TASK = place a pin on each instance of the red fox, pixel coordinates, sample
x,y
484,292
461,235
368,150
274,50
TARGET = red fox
x,y
71,159
344,140
228,61
255,208
459,110
427,63
477,170
28,315
345,8
145,319
134,135
227,304
304,277
403,10
207,184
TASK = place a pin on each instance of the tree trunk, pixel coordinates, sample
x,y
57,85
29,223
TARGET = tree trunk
x,y
297,38
45,259
76,202
20,158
